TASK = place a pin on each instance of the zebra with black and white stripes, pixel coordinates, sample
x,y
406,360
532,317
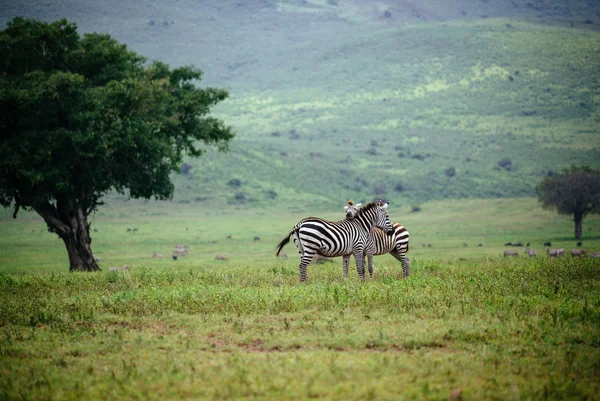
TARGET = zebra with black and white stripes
x,y
315,236
382,243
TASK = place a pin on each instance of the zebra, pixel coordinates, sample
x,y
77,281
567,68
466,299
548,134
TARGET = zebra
x,y
555,252
313,235
396,244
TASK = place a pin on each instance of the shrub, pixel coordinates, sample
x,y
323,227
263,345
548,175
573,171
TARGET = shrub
x,y
234,183
270,194
399,187
506,164
450,171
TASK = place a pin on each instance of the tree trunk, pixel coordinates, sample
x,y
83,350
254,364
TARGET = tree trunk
x,y
80,252
69,221
578,220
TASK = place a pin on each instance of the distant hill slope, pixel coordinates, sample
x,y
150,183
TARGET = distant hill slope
x,y
340,99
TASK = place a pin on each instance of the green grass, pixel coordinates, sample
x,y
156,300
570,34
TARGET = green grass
x,y
467,321
522,329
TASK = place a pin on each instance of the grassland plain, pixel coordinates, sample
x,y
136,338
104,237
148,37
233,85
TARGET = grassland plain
x,y
196,328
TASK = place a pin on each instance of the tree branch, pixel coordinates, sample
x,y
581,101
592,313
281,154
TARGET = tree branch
x,y
50,216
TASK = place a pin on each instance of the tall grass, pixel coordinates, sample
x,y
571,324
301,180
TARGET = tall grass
x,y
487,330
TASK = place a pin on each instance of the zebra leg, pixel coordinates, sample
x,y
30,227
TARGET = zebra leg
x,y
304,262
346,259
405,263
370,257
360,264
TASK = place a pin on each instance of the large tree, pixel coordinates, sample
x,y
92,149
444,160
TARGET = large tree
x,y
81,116
575,192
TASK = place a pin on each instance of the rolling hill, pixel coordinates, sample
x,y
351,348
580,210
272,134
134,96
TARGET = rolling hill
x,y
340,99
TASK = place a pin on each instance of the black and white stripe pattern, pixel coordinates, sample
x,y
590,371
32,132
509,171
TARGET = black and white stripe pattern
x,y
396,244
315,236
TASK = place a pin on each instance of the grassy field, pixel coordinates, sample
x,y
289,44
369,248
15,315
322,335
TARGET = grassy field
x,y
467,324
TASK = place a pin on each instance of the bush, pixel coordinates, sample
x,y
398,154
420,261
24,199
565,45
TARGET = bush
x,y
506,164
399,187
270,194
450,171
234,183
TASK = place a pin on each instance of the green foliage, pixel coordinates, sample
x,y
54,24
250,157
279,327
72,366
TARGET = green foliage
x,y
575,191
103,120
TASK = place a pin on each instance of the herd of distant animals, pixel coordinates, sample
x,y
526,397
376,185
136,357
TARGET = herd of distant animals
x,y
551,252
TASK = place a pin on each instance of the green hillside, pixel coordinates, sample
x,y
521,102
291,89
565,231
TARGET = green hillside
x,y
347,99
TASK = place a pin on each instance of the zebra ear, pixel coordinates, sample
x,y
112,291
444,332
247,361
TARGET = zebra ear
x,y
358,205
346,207
383,204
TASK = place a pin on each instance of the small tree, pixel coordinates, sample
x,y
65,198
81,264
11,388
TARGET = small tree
x,y
575,192
84,115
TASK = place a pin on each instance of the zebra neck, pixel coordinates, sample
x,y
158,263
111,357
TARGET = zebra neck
x,y
365,222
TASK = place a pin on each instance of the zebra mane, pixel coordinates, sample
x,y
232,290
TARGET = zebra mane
x,y
366,207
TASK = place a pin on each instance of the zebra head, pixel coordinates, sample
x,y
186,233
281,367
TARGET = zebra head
x,y
351,210
383,219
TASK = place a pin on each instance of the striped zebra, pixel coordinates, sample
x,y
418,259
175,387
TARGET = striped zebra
x,y
396,244
314,236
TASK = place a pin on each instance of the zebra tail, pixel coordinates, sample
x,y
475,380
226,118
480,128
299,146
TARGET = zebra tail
x,y
283,243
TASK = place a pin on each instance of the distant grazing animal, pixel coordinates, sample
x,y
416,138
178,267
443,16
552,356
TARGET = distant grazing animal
x,y
313,235
579,243
547,243
517,244
555,252
480,244
396,244
220,257
128,230
157,255
508,244
135,230
510,252
228,237
530,252
528,244
181,250
256,238
594,255
577,252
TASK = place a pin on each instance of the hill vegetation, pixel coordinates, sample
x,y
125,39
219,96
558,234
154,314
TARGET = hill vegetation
x,y
334,100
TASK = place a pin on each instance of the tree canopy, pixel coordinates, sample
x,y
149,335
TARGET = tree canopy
x,y
82,116
574,192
